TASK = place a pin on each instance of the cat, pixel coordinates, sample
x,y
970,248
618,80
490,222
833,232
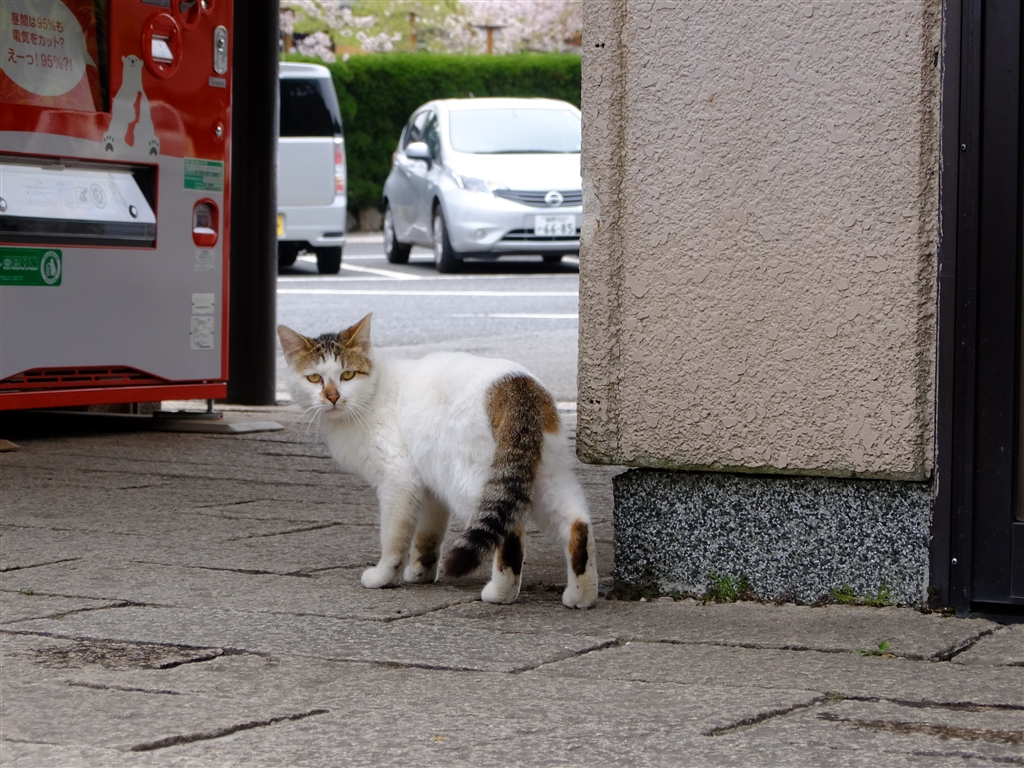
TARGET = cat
x,y
450,433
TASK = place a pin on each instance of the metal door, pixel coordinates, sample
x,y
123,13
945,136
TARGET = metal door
x,y
986,430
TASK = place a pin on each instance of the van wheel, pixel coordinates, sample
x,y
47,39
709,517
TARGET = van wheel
x,y
397,253
328,260
287,253
445,259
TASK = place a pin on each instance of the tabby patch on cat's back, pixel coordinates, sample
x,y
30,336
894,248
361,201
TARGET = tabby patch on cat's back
x,y
447,434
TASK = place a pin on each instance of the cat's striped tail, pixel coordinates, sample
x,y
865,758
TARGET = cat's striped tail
x,y
521,411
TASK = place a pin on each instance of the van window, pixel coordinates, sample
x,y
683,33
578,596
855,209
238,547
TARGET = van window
x,y
309,108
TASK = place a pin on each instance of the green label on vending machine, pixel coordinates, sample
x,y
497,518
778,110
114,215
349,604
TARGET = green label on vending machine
x,y
30,266
204,175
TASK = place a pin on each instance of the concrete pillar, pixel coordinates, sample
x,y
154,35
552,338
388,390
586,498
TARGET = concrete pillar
x,y
757,289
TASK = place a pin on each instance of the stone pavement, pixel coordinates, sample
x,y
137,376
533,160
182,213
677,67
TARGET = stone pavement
x,y
194,600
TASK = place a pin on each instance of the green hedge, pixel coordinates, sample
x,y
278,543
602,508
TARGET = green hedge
x,y
378,93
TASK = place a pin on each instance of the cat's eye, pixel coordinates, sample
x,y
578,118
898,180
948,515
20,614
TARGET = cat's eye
x,y
314,377
347,375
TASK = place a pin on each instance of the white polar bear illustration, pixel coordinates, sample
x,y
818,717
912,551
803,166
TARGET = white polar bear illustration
x,y
123,112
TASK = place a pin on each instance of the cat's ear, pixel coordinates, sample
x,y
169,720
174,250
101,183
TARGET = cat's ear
x,y
358,335
292,343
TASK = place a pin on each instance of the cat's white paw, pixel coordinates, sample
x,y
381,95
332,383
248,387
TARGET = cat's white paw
x,y
417,574
580,594
378,577
503,594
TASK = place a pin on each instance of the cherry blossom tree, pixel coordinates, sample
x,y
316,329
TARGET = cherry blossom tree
x,y
525,25
435,25
341,25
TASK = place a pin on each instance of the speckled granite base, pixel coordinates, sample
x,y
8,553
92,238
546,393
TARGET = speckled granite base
x,y
793,538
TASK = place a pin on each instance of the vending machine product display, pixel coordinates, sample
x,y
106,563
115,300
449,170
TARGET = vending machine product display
x,y
115,125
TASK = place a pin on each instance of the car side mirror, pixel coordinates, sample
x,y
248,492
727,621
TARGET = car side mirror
x,y
418,150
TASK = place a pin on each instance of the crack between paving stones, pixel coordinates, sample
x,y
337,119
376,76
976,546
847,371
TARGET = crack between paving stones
x,y
172,741
121,688
968,756
37,565
92,597
247,480
765,716
63,614
212,652
575,655
286,533
794,648
903,728
242,571
414,665
915,705
24,527
952,653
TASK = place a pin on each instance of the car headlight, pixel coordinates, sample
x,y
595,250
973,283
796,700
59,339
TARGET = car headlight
x,y
474,184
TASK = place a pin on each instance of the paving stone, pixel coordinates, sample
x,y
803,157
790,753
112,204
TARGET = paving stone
x,y
909,633
889,731
17,606
405,642
845,674
161,616
1004,647
420,717
336,593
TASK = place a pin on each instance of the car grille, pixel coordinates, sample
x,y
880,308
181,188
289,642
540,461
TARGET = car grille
x,y
527,235
536,199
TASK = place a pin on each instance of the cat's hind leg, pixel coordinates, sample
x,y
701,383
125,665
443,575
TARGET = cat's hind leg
x,y
507,570
560,508
398,517
426,546
581,587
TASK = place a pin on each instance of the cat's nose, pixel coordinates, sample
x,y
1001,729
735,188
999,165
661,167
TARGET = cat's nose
x,y
333,397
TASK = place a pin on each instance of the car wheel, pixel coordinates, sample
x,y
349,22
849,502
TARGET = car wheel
x,y
397,253
287,253
552,258
445,259
328,260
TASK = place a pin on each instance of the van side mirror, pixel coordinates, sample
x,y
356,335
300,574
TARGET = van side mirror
x,y
418,150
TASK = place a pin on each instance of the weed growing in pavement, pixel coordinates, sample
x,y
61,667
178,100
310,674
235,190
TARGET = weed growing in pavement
x,y
845,595
881,650
26,592
727,589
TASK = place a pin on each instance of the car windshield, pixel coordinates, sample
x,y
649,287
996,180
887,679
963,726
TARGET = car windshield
x,y
508,130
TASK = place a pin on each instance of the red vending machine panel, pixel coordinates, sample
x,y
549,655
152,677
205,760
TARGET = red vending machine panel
x,y
115,124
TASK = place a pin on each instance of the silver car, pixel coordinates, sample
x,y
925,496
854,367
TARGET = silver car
x,y
485,178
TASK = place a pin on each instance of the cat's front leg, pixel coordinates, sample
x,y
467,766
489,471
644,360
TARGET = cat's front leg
x,y
426,547
398,507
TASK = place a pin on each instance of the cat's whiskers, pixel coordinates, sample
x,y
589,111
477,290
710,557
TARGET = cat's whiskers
x,y
307,423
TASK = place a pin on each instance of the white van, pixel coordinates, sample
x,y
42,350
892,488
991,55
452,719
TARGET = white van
x,y
311,178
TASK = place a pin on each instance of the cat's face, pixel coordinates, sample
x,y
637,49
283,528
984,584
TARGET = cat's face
x,y
332,373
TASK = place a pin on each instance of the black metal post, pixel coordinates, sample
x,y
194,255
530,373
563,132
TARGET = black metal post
x,y
253,307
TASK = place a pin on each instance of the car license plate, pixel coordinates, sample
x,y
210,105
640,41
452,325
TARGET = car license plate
x,y
554,225
280,225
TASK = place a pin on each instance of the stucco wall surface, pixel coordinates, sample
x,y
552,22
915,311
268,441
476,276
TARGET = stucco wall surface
x,y
757,287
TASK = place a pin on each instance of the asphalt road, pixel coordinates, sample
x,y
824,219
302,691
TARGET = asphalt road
x,y
517,308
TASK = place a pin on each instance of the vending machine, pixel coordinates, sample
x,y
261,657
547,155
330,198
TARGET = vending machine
x,y
115,125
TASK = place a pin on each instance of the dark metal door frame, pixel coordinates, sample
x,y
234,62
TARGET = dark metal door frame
x,y
977,549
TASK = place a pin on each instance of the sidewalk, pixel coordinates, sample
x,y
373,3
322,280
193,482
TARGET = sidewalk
x,y
194,600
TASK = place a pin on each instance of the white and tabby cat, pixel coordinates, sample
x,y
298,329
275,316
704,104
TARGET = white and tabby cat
x,y
449,433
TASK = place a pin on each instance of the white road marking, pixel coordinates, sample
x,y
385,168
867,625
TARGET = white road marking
x,y
521,316
369,292
381,272
321,279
